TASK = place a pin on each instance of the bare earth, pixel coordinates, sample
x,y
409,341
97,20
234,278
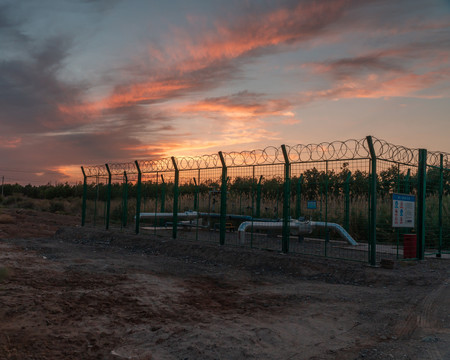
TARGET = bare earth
x,y
82,293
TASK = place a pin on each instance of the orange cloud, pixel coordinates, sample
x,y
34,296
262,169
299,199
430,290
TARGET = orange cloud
x,y
290,121
285,25
145,92
390,85
243,105
195,62
71,173
128,95
10,142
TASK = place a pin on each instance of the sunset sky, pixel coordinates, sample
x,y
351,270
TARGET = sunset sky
x,y
95,81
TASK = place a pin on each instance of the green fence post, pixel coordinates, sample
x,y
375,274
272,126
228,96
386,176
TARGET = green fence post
x,y
441,194
195,195
175,199
421,194
372,204
108,197
327,230
125,200
347,201
258,198
96,199
83,204
223,200
254,190
163,194
155,223
138,197
286,204
196,203
298,208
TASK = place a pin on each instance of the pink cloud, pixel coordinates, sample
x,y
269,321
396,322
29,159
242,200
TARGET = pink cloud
x,y
391,85
243,105
10,142
291,121
196,62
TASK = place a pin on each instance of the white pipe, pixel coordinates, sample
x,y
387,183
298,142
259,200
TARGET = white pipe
x,y
339,229
259,225
296,226
186,214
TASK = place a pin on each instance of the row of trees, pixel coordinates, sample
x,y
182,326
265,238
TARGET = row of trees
x,y
312,184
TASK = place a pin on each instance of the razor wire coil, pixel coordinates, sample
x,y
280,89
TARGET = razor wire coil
x,y
271,155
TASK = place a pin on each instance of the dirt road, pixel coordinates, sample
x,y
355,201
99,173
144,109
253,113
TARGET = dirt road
x,y
90,294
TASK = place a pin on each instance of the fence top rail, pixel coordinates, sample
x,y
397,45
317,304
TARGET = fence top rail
x,y
325,151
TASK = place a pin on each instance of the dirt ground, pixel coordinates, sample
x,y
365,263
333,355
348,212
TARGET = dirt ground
x,y
68,292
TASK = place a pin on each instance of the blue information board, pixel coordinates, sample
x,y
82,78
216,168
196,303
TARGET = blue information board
x,y
311,204
403,210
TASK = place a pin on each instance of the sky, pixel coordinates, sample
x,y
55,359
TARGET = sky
x,y
87,82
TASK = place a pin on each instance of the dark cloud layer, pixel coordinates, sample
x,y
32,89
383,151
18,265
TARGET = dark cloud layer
x,y
47,121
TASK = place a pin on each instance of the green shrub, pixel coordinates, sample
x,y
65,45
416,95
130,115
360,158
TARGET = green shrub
x,y
26,204
56,206
11,200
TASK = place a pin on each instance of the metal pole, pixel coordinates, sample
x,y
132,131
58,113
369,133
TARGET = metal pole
x,y
298,208
253,203
223,200
397,230
327,230
347,201
195,195
155,223
175,199
83,205
286,208
196,203
422,174
95,202
441,194
373,204
138,197
108,197
125,200
163,194
3,180
258,198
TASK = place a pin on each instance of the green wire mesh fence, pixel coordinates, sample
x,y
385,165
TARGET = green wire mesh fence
x,y
330,199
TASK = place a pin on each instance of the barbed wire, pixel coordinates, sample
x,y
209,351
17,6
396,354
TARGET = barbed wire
x,y
395,153
325,151
95,170
434,159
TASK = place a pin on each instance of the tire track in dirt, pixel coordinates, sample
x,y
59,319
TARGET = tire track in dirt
x,y
425,322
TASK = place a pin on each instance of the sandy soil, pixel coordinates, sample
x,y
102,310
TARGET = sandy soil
x,y
81,293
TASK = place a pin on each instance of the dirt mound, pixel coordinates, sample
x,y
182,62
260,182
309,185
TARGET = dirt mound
x,y
258,261
27,223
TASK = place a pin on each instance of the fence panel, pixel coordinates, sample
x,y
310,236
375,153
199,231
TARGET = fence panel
x,y
394,177
437,211
330,199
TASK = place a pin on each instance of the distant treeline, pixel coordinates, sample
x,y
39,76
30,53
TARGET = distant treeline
x,y
313,183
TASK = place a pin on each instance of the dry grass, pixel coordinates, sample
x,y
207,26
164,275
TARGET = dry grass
x,y
3,274
7,219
